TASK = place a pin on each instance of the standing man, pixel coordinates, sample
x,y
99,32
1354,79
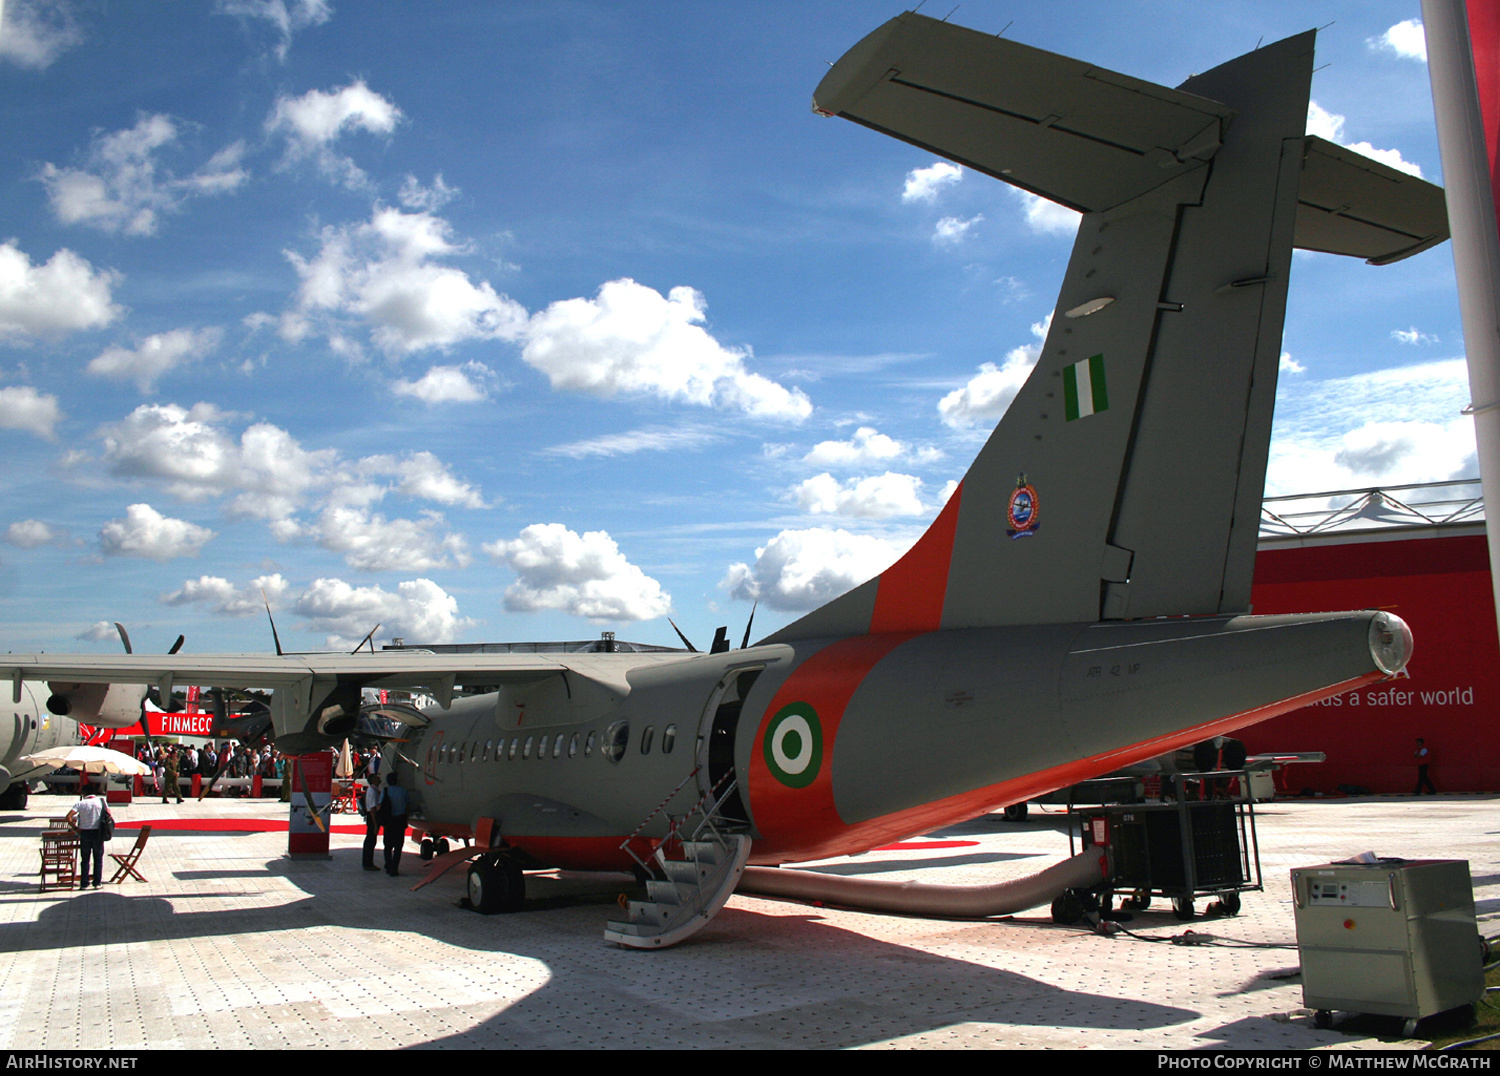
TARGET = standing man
x,y
1424,759
372,808
169,786
85,817
396,807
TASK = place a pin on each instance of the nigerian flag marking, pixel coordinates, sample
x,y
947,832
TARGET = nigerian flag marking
x,y
1084,391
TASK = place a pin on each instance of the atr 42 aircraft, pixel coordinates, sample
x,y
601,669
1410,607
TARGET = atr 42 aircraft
x,y
1080,603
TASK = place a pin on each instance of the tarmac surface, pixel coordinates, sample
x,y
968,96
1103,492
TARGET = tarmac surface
x,y
229,944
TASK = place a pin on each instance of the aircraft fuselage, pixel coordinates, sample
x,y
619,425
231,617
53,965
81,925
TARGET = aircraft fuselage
x,y
840,745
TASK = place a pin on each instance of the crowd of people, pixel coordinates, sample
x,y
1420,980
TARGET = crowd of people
x,y
173,764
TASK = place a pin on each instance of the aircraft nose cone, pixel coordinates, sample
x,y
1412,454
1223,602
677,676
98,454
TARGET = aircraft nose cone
x,y
1390,643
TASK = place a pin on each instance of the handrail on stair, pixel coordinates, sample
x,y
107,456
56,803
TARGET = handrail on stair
x,y
674,825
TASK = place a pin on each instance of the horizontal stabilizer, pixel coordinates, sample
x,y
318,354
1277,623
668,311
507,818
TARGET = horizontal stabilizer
x,y
1350,204
1078,134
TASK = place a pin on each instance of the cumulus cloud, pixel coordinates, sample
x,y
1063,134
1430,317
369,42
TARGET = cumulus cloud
x,y
1330,126
953,229
1045,216
224,598
66,294
154,356
123,188
286,17
1335,434
1289,365
189,451
468,383
98,632
369,542
1406,40
266,471
989,392
422,475
419,611
312,123
36,32
145,532
24,408
386,273
865,447
582,574
30,533
632,340
801,569
876,497
923,184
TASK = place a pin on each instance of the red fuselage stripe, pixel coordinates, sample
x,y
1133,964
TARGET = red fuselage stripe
x,y
826,681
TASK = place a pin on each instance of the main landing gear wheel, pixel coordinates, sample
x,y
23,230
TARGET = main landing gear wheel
x,y
1016,812
1323,1019
496,884
424,850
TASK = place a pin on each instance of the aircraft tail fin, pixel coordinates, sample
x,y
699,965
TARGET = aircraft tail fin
x,y
1126,477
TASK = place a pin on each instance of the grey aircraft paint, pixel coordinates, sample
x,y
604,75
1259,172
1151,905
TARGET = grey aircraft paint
x,y
1079,604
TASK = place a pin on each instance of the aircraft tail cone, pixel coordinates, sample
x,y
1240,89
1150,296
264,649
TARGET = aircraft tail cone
x,y
1083,871
1390,643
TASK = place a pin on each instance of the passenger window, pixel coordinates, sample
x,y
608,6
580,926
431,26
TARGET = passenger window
x,y
557,746
668,739
616,739
526,751
646,739
515,743
588,745
573,745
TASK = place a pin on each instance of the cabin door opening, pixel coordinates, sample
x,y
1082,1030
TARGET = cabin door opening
x,y
722,718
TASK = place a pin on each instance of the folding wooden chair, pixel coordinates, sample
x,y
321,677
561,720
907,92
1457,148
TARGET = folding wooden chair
x,y
127,861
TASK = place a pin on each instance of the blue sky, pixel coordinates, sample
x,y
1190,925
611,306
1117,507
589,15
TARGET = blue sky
x,y
527,321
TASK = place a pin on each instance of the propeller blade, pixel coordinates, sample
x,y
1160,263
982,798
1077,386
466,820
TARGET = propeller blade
x,y
746,640
274,637
124,636
367,639
681,636
183,638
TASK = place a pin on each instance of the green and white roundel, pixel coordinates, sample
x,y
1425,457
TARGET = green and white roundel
x,y
794,745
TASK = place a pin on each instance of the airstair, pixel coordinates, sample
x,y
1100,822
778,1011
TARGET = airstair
x,y
691,873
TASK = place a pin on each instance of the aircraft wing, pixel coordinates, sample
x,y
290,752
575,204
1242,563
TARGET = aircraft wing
x,y
437,674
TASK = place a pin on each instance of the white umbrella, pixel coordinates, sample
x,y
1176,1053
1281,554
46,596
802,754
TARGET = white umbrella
x,y
87,759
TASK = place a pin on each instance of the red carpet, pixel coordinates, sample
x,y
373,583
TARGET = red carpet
x,y
225,825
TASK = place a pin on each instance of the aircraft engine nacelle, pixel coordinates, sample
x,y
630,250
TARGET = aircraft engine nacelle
x,y
110,706
321,717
